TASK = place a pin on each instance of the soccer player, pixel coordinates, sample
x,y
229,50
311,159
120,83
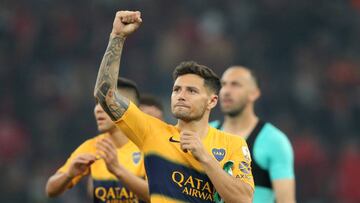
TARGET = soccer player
x,y
151,105
272,154
189,162
114,163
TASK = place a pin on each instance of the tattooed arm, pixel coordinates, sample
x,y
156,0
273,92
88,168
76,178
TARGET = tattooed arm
x,y
125,23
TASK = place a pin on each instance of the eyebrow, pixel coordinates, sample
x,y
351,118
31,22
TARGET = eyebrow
x,y
232,81
191,87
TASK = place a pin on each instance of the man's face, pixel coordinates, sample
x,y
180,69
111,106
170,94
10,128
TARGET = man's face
x,y
103,121
237,91
190,99
152,111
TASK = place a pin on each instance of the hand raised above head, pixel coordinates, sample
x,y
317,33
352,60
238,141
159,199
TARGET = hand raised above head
x,y
126,22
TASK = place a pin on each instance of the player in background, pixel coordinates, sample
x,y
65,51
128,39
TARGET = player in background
x,y
151,105
114,163
272,153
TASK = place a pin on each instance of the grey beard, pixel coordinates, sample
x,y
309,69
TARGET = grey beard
x,y
235,112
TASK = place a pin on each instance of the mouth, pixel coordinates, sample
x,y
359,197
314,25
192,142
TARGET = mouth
x,y
227,101
182,106
100,119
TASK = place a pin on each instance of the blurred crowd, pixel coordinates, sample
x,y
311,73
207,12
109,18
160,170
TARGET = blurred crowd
x,y
306,54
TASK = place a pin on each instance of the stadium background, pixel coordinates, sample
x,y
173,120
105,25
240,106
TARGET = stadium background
x,y
307,54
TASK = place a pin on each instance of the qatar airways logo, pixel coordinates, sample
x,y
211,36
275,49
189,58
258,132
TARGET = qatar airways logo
x,y
193,186
115,195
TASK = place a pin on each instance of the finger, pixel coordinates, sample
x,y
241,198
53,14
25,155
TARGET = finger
x,y
87,157
185,147
131,19
103,150
119,14
106,145
83,162
103,155
109,154
99,154
110,143
128,18
124,19
187,133
187,138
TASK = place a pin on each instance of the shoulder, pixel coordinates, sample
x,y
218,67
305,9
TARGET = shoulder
x,y
274,141
136,116
131,147
231,139
89,144
272,134
215,123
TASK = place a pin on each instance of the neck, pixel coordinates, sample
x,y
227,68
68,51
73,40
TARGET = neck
x,y
241,124
118,137
200,127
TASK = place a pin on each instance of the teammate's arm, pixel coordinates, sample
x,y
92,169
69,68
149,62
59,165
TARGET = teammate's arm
x,y
60,181
115,105
90,186
231,189
284,190
281,168
139,186
57,184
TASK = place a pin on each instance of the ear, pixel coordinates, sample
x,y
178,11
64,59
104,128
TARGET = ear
x,y
213,101
255,94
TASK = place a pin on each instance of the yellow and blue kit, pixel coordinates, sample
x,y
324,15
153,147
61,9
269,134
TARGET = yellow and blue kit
x,y
176,176
106,186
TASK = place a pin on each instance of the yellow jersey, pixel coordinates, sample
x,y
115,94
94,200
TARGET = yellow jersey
x,y
106,186
176,176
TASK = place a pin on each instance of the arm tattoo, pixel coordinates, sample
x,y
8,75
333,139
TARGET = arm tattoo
x,y
113,104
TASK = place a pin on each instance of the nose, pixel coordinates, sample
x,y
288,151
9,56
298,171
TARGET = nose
x,y
98,108
181,96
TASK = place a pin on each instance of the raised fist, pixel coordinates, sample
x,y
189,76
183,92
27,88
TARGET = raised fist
x,y
126,22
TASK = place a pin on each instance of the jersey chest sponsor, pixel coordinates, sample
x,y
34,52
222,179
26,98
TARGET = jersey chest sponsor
x,y
177,181
112,191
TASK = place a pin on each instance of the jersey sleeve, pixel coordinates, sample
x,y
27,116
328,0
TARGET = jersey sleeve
x,y
86,147
281,160
135,124
242,162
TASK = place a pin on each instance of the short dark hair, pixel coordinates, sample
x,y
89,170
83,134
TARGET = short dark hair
x,y
150,100
128,84
212,81
253,74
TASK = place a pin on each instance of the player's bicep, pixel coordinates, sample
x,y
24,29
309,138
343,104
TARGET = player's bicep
x,y
241,168
281,164
284,190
